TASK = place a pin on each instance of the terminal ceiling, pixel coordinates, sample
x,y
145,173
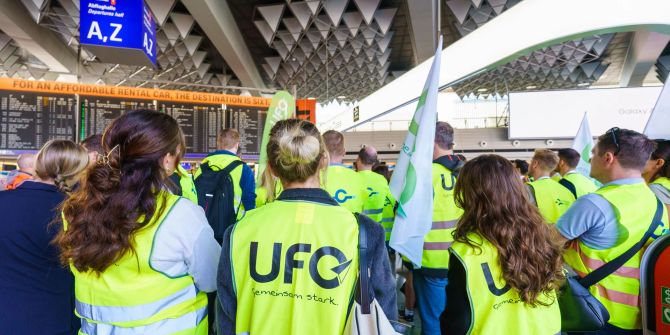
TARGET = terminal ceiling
x,y
328,49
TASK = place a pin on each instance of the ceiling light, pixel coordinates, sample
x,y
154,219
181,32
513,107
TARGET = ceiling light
x,y
531,87
341,97
311,98
583,84
482,90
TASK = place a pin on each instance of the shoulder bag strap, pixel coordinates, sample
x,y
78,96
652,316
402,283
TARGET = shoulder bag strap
x,y
363,276
613,265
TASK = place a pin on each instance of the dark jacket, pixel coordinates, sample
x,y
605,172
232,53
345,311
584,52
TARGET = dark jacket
x,y
247,182
36,292
381,277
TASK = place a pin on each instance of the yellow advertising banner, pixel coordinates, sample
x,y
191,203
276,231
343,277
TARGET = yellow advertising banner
x,y
131,92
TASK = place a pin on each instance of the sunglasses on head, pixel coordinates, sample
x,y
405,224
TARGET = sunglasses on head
x,y
612,133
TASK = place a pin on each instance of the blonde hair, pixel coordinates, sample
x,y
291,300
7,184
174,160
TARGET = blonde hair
x,y
295,150
61,161
334,142
228,138
269,183
547,159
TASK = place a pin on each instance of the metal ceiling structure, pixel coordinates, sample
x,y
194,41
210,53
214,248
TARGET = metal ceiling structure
x,y
325,49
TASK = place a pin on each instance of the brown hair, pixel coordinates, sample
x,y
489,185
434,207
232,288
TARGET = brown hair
x,y
547,159
662,152
228,138
634,149
93,143
295,150
569,156
496,206
61,161
118,195
334,142
444,135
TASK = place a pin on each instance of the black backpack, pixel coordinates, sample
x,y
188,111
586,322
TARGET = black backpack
x,y
216,194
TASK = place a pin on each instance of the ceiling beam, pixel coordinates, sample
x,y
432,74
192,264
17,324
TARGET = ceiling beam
x,y
218,23
423,28
645,47
44,44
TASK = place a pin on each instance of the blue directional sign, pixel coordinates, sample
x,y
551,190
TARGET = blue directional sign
x,y
118,31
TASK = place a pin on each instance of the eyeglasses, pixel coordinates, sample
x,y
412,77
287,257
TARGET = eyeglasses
x,y
612,132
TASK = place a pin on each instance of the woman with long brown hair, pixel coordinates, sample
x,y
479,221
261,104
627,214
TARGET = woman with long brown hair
x,y
142,257
505,267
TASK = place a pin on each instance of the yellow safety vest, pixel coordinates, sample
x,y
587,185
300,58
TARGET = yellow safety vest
x,y
137,299
634,206
388,215
377,188
298,279
435,258
346,187
552,198
187,185
583,185
262,194
496,308
219,162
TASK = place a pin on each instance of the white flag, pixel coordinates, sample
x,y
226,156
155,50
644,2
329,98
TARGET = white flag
x,y
412,183
659,120
583,143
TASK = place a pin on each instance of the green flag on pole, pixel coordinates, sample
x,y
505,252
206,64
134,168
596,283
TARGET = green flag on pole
x,y
282,107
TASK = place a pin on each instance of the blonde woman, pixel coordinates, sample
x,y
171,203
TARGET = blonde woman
x,y
290,267
37,293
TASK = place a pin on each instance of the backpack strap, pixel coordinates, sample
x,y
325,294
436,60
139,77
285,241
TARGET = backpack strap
x,y
569,185
613,265
363,276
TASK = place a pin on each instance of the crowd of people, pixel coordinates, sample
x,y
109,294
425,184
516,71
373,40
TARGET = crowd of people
x,y
113,236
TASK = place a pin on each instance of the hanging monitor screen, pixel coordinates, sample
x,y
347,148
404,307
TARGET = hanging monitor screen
x,y
249,122
200,124
98,112
29,119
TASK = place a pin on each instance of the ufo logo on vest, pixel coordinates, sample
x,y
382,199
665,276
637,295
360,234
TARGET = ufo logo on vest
x,y
341,196
335,278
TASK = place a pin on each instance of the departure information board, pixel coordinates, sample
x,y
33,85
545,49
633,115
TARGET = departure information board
x,y
29,119
249,121
98,112
199,122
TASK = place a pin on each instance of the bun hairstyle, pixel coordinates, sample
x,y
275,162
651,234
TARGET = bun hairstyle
x,y
61,161
119,194
295,150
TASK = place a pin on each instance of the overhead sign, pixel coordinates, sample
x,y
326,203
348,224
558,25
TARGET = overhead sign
x,y
118,31
558,114
131,92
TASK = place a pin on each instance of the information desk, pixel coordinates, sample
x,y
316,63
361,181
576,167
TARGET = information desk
x,y
29,119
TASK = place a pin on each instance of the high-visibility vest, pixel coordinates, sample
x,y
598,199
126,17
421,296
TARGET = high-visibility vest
x,y
495,307
663,181
18,180
346,187
298,279
377,188
582,184
187,185
262,194
552,198
219,162
634,206
388,215
435,257
137,299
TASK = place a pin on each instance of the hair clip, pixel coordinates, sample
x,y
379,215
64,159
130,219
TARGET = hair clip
x,y
104,159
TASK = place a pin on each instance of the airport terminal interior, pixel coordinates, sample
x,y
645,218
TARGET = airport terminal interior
x,y
507,161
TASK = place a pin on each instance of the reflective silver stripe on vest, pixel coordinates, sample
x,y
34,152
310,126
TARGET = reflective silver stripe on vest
x,y
388,219
166,326
373,211
110,314
444,224
388,230
436,245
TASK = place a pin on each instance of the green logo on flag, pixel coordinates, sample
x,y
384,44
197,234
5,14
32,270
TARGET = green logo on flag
x,y
586,153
